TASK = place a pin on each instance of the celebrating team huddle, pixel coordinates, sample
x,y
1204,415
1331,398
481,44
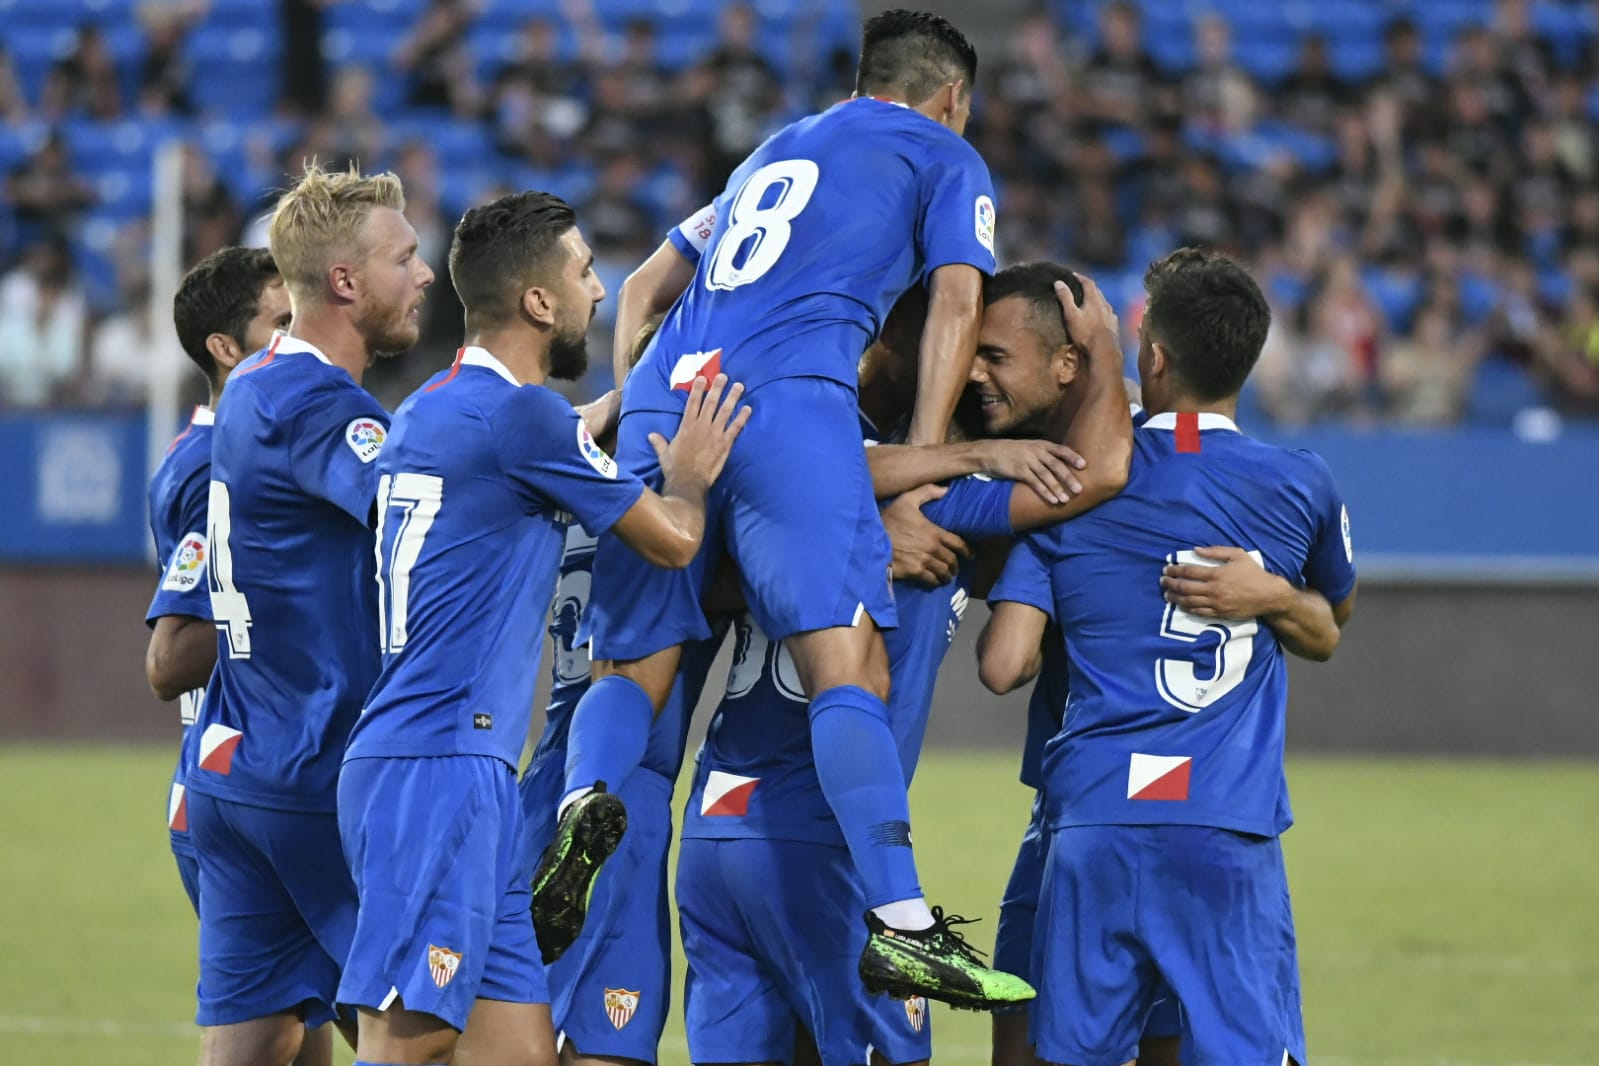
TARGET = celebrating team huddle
x,y
840,423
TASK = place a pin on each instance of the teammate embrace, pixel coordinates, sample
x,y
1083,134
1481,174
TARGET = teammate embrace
x,y
365,853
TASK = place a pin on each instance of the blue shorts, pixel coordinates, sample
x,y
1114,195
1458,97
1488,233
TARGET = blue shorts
x,y
611,992
1018,915
182,844
795,509
773,932
436,847
277,911
1126,909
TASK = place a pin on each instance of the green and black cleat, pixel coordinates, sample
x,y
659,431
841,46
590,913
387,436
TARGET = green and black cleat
x,y
586,836
935,962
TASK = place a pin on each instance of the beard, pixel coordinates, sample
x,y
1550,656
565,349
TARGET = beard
x,y
569,356
390,333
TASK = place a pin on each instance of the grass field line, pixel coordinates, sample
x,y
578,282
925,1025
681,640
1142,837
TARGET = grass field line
x,y
40,1025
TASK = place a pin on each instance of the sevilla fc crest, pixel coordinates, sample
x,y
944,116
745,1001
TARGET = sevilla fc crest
x,y
442,964
916,1012
620,1005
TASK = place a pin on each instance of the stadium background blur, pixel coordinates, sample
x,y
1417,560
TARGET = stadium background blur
x,y
1412,180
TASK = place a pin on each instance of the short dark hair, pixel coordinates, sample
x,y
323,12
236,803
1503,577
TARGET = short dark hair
x,y
913,53
504,246
220,295
1210,316
1035,283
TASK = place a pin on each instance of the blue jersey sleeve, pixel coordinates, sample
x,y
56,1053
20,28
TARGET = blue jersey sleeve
x,y
1026,576
957,221
550,456
337,437
1330,566
183,589
691,235
974,506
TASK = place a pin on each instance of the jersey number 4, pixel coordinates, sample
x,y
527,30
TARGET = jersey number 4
x,y
1178,680
758,226
417,498
229,608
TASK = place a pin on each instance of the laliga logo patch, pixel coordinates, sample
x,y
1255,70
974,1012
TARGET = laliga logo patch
x,y
1349,542
620,1005
985,222
916,1012
442,964
188,564
602,463
365,436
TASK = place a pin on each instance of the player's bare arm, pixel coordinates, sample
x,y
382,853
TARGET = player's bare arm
x,y
666,527
1050,469
1101,431
1010,647
181,654
924,551
1235,586
648,291
949,343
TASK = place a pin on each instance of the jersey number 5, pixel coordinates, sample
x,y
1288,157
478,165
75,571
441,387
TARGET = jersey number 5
x,y
1178,680
417,498
766,203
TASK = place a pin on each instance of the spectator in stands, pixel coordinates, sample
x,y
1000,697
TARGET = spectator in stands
x,y
1216,82
165,73
1120,83
119,353
304,90
1404,76
537,89
13,104
211,220
85,82
742,92
1570,364
44,191
436,61
1312,95
42,322
1426,377
353,129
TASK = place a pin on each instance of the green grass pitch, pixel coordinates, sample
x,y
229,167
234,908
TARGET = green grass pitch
x,y
1448,911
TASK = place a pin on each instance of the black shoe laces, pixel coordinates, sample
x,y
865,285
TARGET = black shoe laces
x,y
942,927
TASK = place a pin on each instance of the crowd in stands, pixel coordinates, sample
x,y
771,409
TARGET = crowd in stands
x,y
1413,180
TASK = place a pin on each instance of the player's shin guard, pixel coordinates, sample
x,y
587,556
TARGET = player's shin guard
x,y
610,732
857,764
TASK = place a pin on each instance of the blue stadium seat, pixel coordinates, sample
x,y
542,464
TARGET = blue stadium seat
x,y
19,141
124,193
1355,59
450,138
1500,390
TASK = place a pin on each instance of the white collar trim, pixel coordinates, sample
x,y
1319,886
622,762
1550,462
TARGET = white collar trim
x,y
472,355
203,416
283,344
1207,420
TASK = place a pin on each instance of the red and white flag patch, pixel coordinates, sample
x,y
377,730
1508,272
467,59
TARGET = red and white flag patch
x,y
620,1005
727,794
178,809
217,745
1158,777
696,365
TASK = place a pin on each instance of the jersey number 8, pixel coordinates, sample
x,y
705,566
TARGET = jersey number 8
x,y
768,201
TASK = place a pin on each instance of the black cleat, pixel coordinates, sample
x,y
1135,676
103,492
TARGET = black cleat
x,y
586,836
937,963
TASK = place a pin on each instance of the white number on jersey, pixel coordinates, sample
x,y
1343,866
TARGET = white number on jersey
x,y
572,664
1177,679
794,180
754,655
229,609
417,497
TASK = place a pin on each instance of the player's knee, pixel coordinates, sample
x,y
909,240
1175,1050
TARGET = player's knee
x,y
260,1042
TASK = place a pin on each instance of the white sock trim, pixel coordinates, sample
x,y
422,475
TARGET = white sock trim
x,y
571,798
910,914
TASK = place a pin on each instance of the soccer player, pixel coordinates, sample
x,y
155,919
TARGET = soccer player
x,y
226,307
483,471
766,891
817,234
293,597
1165,786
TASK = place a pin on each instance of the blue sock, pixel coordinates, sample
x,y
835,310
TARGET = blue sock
x,y
610,731
857,763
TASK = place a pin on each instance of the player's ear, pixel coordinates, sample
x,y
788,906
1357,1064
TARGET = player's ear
x,y
538,305
1066,362
956,91
224,349
341,280
1159,360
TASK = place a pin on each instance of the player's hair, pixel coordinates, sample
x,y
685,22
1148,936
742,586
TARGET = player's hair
x,y
641,339
1210,316
502,248
914,54
321,217
1035,283
220,295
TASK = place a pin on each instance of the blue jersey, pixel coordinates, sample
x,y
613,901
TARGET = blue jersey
x,y
1172,718
479,479
1044,709
178,494
756,775
819,231
293,478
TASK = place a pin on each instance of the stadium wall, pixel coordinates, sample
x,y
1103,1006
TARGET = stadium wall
x,y
1486,670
